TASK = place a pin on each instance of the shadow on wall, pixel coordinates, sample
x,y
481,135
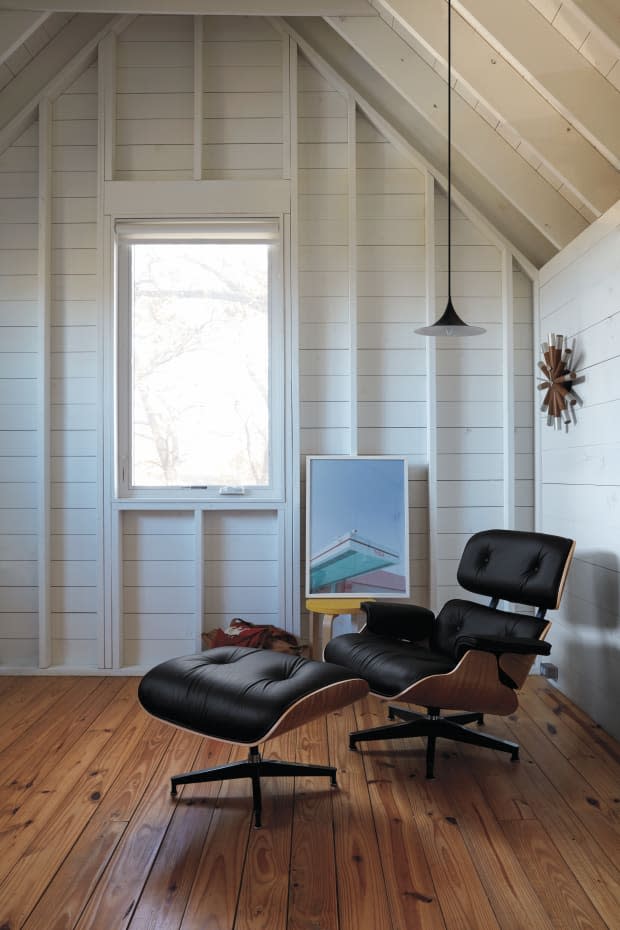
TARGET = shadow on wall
x,y
592,597
589,677
584,637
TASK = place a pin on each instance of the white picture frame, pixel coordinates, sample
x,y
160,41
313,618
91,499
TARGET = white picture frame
x,y
357,526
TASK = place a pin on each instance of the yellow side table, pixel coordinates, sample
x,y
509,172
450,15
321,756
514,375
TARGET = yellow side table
x,y
323,612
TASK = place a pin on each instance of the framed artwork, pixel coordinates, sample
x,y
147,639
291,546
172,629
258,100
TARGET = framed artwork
x,y
357,526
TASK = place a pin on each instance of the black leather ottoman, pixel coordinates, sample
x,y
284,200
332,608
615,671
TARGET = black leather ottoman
x,y
245,696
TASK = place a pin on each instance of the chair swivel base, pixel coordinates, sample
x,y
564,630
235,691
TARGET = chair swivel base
x,y
432,725
253,768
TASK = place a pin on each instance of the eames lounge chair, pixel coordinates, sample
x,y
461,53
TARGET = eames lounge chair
x,y
471,658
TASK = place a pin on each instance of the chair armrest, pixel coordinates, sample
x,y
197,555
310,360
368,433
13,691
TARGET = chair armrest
x,y
403,621
499,645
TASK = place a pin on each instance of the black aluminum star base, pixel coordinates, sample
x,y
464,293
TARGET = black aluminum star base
x,y
432,725
253,768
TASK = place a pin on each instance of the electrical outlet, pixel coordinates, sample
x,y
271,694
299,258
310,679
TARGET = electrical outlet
x,y
549,670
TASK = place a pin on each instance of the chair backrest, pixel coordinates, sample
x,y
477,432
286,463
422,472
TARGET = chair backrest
x,y
520,567
506,565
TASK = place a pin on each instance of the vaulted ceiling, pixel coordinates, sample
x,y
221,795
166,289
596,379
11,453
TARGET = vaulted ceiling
x,y
536,88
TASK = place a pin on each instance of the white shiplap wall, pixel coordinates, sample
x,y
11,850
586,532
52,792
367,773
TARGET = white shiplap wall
x,y
391,288
242,567
362,371
324,321
158,586
242,101
525,396
19,369
470,376
580,469
154,99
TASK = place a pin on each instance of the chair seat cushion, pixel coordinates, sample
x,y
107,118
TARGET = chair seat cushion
x,y
235,693
388,665
459,618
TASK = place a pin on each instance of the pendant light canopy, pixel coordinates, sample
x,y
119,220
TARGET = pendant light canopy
x,y
450,323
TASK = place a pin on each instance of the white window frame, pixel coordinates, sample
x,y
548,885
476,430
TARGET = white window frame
x,y
211,229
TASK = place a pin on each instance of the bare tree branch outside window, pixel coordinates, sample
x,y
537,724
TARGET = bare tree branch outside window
x,y
200,364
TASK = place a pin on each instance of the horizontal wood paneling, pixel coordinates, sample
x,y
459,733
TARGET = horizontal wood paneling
x,y
242,101
158,586
242,573
469,389
18,396
324,328
579,473
154,100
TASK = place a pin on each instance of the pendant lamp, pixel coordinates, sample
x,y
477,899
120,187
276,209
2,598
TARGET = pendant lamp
x,y
450,323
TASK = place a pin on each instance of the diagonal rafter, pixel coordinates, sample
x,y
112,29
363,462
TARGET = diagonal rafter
x,y
72,48
374,95
553,66
16,27
423,88
572,157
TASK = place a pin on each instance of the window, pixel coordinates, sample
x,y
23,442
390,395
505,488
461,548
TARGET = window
x,y
199,358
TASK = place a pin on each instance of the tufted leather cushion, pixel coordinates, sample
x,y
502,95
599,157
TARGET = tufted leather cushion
x,y
388,665
405,621
524,568
233,693
464,618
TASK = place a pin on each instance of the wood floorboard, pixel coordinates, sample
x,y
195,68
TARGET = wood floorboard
x,y
212,903
90,838
312,903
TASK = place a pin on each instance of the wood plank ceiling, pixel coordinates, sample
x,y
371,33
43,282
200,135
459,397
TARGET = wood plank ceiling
x,y
536,105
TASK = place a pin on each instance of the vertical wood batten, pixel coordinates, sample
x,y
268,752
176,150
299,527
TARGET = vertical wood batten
x,y
286,106
352,268
107,643
291,298
43,400
107,101
106,461
431,386
508,392
198,96
199,576
538,490
115,546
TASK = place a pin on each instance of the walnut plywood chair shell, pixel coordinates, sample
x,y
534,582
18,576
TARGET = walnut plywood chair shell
x,y
471,658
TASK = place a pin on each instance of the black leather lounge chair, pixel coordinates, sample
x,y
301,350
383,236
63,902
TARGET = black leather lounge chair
x,y
471,658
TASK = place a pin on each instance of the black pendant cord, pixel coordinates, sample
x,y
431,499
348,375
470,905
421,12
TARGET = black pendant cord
x,y
449,323
449,151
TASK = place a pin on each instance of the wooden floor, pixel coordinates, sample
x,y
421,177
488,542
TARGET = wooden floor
x,y
91,838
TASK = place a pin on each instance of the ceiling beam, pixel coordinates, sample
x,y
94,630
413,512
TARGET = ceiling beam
x,y
399,121
206,7
496,82
50,72
604,14
552,65
425,90
15,28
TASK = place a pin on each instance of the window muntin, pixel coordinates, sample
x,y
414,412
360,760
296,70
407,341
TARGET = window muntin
x,y
198,358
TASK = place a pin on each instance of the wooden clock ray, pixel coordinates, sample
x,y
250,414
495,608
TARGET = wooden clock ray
x,y
558,381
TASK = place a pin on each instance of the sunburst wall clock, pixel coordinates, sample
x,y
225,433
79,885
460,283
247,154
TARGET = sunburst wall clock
x,y
560,399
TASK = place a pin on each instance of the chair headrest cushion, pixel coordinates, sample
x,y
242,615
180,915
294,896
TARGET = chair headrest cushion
x,y
521,567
